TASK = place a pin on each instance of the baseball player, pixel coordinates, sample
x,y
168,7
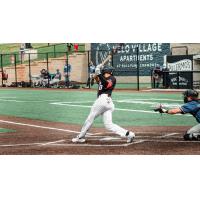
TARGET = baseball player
x,y
192,106
104,106
90,80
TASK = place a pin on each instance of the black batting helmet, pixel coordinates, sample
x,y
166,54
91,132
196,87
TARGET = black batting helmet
x,y
108,69
190,93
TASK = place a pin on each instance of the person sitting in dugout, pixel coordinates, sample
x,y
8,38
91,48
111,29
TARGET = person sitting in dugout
x,y
192,106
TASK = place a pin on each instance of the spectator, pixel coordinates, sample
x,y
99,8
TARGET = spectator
x,y
56,79
67,72
166,77
157,75
4,77
69,46
44,81
76,47
90,80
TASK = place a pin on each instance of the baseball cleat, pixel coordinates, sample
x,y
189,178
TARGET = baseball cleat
x,y
196,137
191,137
130,136
78,140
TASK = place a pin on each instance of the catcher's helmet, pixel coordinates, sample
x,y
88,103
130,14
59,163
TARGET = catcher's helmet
x,y
108,69
190,93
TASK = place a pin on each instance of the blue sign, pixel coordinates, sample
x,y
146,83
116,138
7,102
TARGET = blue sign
x,y
150,56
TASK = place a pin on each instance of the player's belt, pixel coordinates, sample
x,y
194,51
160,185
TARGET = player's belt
x,y
108,95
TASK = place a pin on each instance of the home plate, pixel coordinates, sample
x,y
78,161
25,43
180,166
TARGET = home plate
x,y
109,139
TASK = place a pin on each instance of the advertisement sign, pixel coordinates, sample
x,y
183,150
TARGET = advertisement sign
x,y
150,56
180,68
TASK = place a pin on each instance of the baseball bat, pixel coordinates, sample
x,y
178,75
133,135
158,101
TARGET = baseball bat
x,y
114,51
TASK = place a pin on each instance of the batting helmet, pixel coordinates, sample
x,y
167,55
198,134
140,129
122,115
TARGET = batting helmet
x,y
108,69
190,93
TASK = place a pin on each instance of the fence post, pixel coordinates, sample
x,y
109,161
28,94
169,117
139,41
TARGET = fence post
x,y
29,66
2,69
15,70
54,50
89,67
138,72
47,58
192,75
112,60
178,80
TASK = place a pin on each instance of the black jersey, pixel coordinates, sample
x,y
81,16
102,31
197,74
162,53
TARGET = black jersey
x,y
106,85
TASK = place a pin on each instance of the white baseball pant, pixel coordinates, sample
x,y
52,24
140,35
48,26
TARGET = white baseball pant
x,y
102,106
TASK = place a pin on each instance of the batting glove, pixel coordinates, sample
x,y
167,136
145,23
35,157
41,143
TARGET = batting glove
x,y
98,69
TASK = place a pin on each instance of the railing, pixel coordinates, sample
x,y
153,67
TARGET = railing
x,y
130,74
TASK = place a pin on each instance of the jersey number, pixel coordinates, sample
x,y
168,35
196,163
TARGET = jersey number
x,y
100,87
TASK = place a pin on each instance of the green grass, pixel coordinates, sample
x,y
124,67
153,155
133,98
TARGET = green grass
x,y
36,104
14,47
41,47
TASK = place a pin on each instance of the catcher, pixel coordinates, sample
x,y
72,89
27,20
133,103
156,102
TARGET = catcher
x,y
192,106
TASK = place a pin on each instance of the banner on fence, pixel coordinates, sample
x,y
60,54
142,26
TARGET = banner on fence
x,y
181,67
150,56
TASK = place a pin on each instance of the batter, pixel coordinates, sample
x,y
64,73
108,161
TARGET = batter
x,y
104,106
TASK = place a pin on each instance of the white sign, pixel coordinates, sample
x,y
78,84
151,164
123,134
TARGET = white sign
x,y
182,65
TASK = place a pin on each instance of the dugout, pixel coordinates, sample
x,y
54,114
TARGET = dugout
x,y
180,72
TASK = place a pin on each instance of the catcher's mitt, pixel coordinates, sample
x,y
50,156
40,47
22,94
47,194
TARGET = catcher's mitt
x,y
160,109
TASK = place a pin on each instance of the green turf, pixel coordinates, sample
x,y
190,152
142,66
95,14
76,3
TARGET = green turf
x,y
4,130
14,47
36,104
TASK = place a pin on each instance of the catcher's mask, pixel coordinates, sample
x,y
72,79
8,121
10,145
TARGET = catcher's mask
x,y
108,69
193,94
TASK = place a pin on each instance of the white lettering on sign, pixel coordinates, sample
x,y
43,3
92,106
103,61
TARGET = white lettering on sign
x,y
182,81
131,58
147,47
182,65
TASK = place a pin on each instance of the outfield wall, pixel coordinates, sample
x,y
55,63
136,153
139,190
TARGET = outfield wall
x,y
79,62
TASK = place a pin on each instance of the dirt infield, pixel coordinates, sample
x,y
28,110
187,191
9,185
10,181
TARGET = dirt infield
x,y
36,137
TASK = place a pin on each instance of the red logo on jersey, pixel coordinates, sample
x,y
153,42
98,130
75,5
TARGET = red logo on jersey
x,y
109,84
